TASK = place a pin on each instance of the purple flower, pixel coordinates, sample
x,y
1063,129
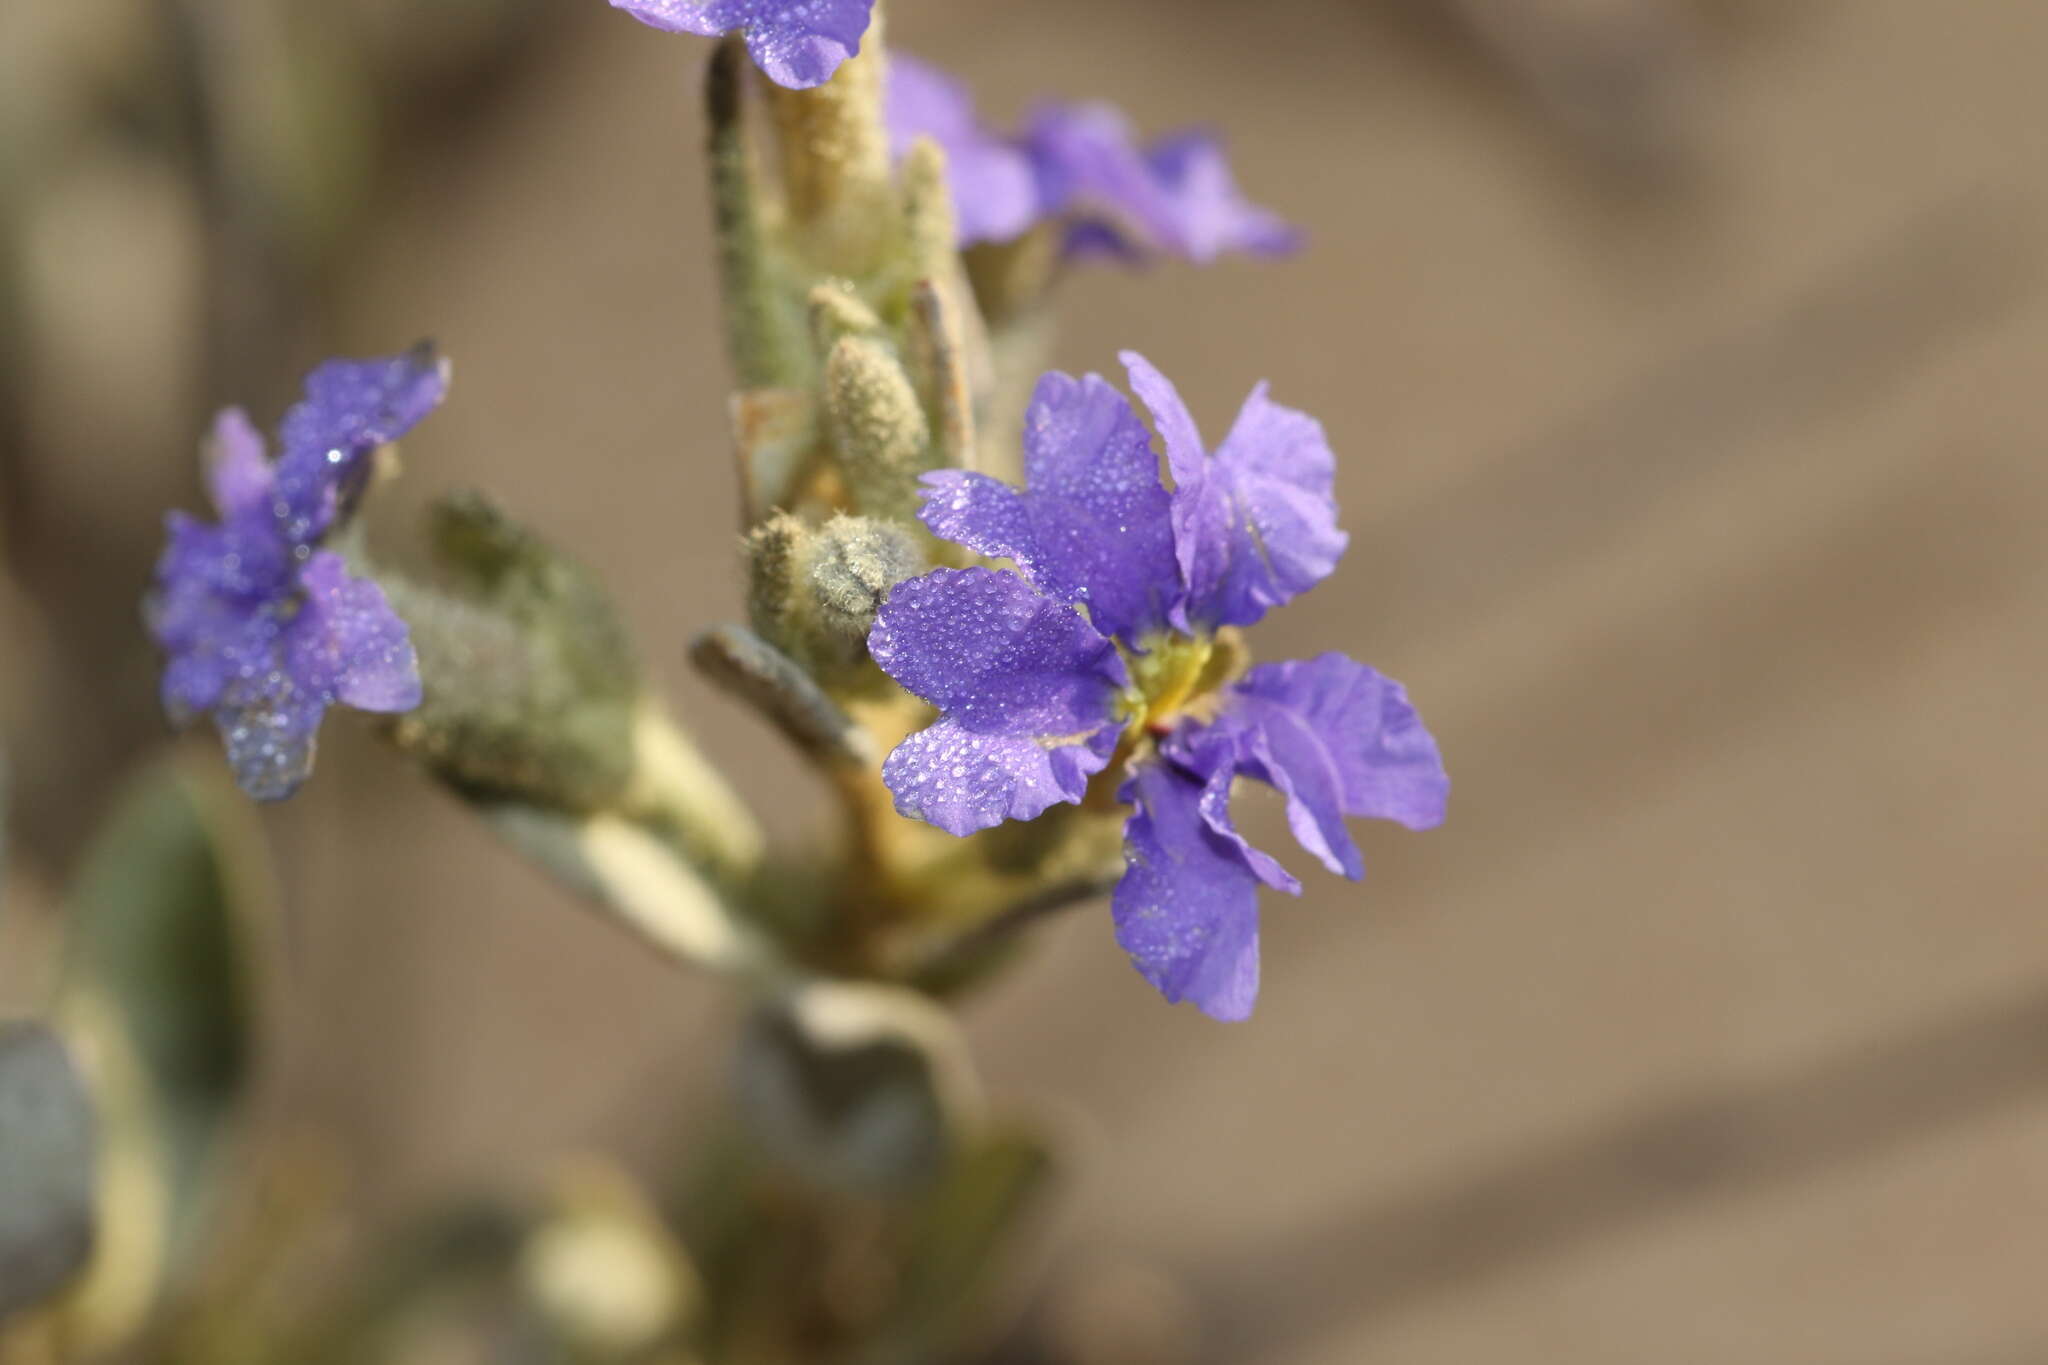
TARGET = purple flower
x,y
1113,647
798,43
995,185
1082,163
1176,197
261,626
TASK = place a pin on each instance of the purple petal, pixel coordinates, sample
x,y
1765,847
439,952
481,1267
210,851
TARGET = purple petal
x,y
211,608
1088,239
347,641
1178,198
1210,214
1337,739
798,43
340,642
187,590
705,18
351,407
268,653
194,678
198,628
1029,690
982,646
1090,168
1185,453
963,780
238,470
1212,756
1093,527
270,727
1256,524
995,191
1187,908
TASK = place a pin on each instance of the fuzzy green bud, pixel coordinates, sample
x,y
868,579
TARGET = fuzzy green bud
x,y
836,311
775,553
854,563
758,334
533,700
834,154
532,684
928,211
878,427
940,355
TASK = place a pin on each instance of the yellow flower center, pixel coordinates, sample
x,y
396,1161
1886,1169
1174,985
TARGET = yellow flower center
x,y
1175,676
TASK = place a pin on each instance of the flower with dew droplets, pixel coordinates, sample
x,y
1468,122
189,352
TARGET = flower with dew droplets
x,y
262,627
796,43
1116,636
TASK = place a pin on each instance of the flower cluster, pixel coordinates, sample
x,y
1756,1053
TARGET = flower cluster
x,y
1078,163
798,43
1106,666
1112,650
1082,164
259,624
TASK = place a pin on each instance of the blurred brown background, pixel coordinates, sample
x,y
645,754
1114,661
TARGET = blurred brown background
x,y
1685,362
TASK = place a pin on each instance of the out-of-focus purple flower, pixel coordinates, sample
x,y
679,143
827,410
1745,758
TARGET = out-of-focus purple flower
x,y
1084,164
1102,653
1175,197
798,43
259,624
995,186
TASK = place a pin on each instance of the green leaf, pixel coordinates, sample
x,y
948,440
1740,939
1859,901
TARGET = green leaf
x,y
860,1086
48,1159
960,1241
169,919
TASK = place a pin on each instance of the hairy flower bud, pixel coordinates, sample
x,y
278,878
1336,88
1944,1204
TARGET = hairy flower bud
x,y
878,427
833,153
775,552
534,690
854,563
934,228
836,311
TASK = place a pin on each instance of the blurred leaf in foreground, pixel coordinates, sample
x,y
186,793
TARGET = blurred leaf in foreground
x,y
961,1239
48,1156
160,994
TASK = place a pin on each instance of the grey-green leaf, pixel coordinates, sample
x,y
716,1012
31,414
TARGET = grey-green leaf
x,y
961,1236
48,1163
166,927
859,1085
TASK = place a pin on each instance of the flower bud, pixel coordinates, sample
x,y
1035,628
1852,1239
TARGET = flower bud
x,y
834,157
928,211
763,353
836,311
854,563
533,687
775,552
878,427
